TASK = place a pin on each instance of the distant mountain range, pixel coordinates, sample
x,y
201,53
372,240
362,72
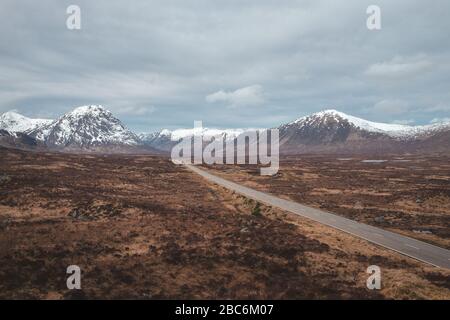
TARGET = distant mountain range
x,y
331,131
166,139
95,129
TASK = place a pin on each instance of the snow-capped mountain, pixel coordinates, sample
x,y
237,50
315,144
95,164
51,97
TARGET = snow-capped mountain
x,y
394,130
161,140
86,127
166,139
334,131
328,131
15,122
93,128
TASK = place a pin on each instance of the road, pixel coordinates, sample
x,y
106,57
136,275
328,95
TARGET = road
x,y
413,248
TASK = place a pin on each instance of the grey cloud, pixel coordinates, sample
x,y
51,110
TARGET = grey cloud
x,y
399,67
440,120
441,107
154,62
391,107
404,122
247,96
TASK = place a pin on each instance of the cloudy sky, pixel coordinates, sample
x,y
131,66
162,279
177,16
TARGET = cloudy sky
x,y
257,63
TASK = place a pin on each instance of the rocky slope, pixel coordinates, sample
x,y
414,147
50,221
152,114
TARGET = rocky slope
x,y
19,140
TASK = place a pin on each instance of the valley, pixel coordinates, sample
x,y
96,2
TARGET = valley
x,y
84,190
216,157
140,227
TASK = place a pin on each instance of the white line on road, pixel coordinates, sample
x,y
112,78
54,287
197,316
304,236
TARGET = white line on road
x,y
408,245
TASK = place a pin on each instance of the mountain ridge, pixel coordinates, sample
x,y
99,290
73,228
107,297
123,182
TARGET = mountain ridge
x,y
331,131
94,128
394,130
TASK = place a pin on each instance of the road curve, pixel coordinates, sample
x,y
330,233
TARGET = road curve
x,y
410,247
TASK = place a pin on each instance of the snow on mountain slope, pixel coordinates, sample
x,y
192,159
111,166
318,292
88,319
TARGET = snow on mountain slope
x,y
331,131
14,122
95,128
86,126
392,130
228,134
166,139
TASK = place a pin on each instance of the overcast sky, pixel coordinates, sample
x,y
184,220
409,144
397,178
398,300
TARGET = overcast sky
x,y
164,64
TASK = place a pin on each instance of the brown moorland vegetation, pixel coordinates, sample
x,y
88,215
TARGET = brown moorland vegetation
x,y
140,227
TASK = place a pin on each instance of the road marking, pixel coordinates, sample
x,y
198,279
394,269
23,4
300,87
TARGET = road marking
x,y
408,245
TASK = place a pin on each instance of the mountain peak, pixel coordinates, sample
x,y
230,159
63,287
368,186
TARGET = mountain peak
x,y
12,114
15,122
329,111
14,117
89,110
85,127
323,116
335,114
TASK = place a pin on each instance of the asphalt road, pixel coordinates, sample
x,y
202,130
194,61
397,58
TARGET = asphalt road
x,y
413,248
